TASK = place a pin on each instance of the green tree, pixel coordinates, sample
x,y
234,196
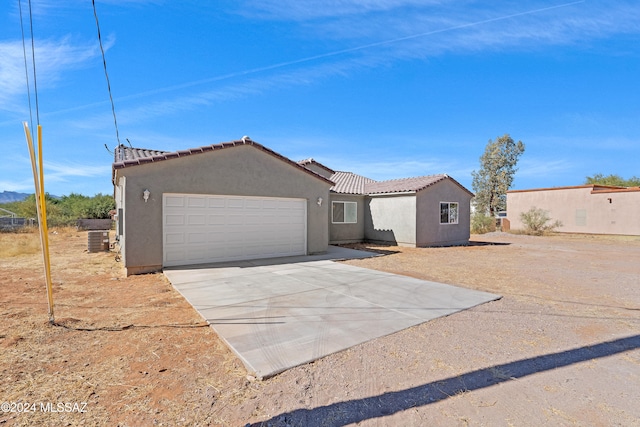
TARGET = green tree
x,y
66,210
497,169
613,179
75,205
99,207
27,207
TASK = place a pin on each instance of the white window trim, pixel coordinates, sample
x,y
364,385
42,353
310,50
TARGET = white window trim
x,y
345,210
448,210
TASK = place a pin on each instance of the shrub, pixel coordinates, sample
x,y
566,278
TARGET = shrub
x,y
481,223
536,221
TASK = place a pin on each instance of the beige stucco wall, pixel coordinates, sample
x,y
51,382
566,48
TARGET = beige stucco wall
x,y
391,219
579,210
242,170
429,230
347,233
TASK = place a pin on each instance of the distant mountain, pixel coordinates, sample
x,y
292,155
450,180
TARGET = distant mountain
x,y
12,196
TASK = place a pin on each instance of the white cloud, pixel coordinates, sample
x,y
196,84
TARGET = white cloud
x,y
427,29
59,172
435,26
19,185
314,9
434,30
52,57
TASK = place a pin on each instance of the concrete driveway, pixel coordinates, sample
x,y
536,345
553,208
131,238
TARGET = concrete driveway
x,y
279,313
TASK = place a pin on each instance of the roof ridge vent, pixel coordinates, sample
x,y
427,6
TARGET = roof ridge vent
x,y
245,139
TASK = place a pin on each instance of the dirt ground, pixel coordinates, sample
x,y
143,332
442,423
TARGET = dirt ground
x,y
562,347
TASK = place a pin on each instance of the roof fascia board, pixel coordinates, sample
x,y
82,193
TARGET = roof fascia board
x,y
214,147
395,193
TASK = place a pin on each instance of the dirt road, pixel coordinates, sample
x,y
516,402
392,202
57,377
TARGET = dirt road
x,y
560,348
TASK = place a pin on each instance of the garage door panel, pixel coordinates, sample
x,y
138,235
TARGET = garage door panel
x,y
235,202
253,219
196,219
216,203
216,251
174,255
216,219
253,204
174,201
193,238
270,204
233,253
234,218
212,228
196,202
174,238
174,219
217,233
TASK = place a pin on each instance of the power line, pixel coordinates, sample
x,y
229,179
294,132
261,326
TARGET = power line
x,y
106,74
33,61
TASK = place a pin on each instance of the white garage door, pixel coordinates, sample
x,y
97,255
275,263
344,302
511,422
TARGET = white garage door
x,y
200,229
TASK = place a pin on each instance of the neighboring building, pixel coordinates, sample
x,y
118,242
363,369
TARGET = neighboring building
x,y
593,209
241,200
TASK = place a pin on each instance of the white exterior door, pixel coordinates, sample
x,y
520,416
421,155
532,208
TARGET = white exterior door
x,y
199,229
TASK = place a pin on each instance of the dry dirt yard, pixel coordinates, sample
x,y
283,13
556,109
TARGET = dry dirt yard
x,y
562,347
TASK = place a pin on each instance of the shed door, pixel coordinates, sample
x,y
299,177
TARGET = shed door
x,y
200,229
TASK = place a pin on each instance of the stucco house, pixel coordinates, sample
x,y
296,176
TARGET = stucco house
x,y
591,209
240,200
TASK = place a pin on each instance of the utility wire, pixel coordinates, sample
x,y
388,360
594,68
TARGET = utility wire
x,y
26,66
104,63
33,60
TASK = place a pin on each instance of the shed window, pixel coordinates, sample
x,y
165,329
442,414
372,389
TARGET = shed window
x,y
344,212
448,213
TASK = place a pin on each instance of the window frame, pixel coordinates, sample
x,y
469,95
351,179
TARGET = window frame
x,y
344,210
456,219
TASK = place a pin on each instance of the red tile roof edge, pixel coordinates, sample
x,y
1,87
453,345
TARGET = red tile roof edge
x,y
198,150
315,162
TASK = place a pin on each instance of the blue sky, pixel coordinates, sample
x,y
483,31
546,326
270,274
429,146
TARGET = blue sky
x,y
382,88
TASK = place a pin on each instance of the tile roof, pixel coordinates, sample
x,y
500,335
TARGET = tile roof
x,y
343,182
404,184
349,183
129,156
311,160
123,153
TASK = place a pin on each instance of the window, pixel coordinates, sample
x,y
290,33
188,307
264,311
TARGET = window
x,y
344,212
448,213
